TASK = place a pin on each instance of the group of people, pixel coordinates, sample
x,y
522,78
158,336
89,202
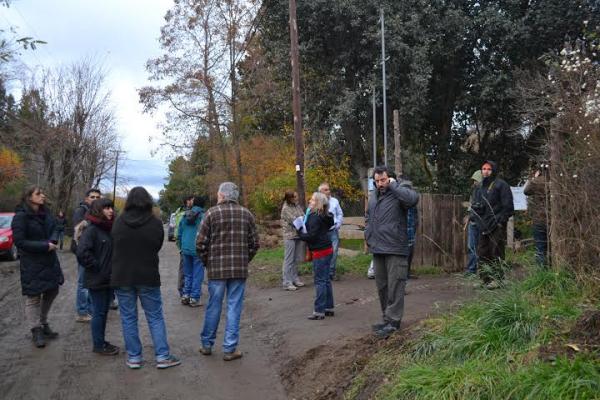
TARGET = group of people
x,y
390,228
121,256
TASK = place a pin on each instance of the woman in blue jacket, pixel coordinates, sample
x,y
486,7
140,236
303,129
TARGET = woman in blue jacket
x,y
193,269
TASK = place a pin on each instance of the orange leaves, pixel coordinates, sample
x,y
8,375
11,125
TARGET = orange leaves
x,y
11,166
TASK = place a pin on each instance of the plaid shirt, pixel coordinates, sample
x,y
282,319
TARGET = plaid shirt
x,y
227,241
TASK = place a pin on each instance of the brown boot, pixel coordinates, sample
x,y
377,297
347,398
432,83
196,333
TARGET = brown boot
x,y
37,335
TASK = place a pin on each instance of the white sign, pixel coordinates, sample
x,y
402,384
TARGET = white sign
x,y
519,198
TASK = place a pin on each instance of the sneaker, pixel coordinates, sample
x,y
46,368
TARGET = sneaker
x,y
134,364
290,287
185,300
83,318
370,276
316,317
194,303
329,313
234,355
376,327
387,330
172,361
107,350
206,351
299,284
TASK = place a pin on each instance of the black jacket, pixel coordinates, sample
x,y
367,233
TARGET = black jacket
x,y
386,221
137,239
94,253
78,216
492,202
40,268
317,229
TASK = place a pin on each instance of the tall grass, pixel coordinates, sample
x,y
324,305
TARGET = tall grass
x,y
489,349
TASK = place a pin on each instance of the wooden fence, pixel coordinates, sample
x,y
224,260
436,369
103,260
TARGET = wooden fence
x,y
441,240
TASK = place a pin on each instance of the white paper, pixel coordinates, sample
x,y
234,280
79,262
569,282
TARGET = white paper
x,y
299,224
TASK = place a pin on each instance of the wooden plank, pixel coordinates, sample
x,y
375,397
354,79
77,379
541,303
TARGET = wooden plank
x,y
458,235
427,230
418,250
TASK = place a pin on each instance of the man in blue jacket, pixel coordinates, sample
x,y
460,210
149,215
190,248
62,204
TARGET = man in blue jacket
x,y
193,269
387,237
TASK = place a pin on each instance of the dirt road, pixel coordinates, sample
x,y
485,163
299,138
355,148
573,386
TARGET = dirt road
x,y
274,332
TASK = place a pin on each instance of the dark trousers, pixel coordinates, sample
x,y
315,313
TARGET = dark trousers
x,y
180,276
540,237
391,273
101,299
490,251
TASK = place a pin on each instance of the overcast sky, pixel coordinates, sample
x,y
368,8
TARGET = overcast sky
x,y
121,33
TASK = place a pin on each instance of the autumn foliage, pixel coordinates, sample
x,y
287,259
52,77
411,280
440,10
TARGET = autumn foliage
x,y
11,167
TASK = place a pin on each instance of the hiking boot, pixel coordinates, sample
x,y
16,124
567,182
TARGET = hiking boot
x,y
107,350
37,335
185,300
195,303
290,287
49,333
172,361
387,330
83,318
134,364
206,351
234,355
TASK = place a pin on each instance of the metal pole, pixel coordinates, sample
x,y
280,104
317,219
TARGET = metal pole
x,y
299,139
374,130
385,152
114,199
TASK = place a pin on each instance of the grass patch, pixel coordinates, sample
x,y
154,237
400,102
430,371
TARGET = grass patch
x,y
488,349
353,244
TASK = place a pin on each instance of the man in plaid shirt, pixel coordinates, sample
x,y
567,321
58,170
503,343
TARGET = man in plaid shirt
x,y
227,241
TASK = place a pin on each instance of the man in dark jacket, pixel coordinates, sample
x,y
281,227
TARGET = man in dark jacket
x,y
83,303
227,242
491,207
387,237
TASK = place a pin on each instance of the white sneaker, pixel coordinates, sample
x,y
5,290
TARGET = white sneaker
x,y
290,287
299,284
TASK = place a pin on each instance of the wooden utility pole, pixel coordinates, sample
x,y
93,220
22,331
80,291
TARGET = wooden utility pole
x,y
397,145
114,199
299,139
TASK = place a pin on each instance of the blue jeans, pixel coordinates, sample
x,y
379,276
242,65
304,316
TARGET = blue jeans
x,y
323,288
83,303
235,301
193,275
540,237
472,242
101,299
335,243
151,301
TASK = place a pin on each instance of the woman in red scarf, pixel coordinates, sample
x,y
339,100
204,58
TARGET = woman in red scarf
x,y
94,252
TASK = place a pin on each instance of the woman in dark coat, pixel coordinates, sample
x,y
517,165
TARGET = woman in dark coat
x,y
318,221
137,238
94,252
34,235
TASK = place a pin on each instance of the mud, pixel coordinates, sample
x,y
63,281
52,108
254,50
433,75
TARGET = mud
x,y
285,355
